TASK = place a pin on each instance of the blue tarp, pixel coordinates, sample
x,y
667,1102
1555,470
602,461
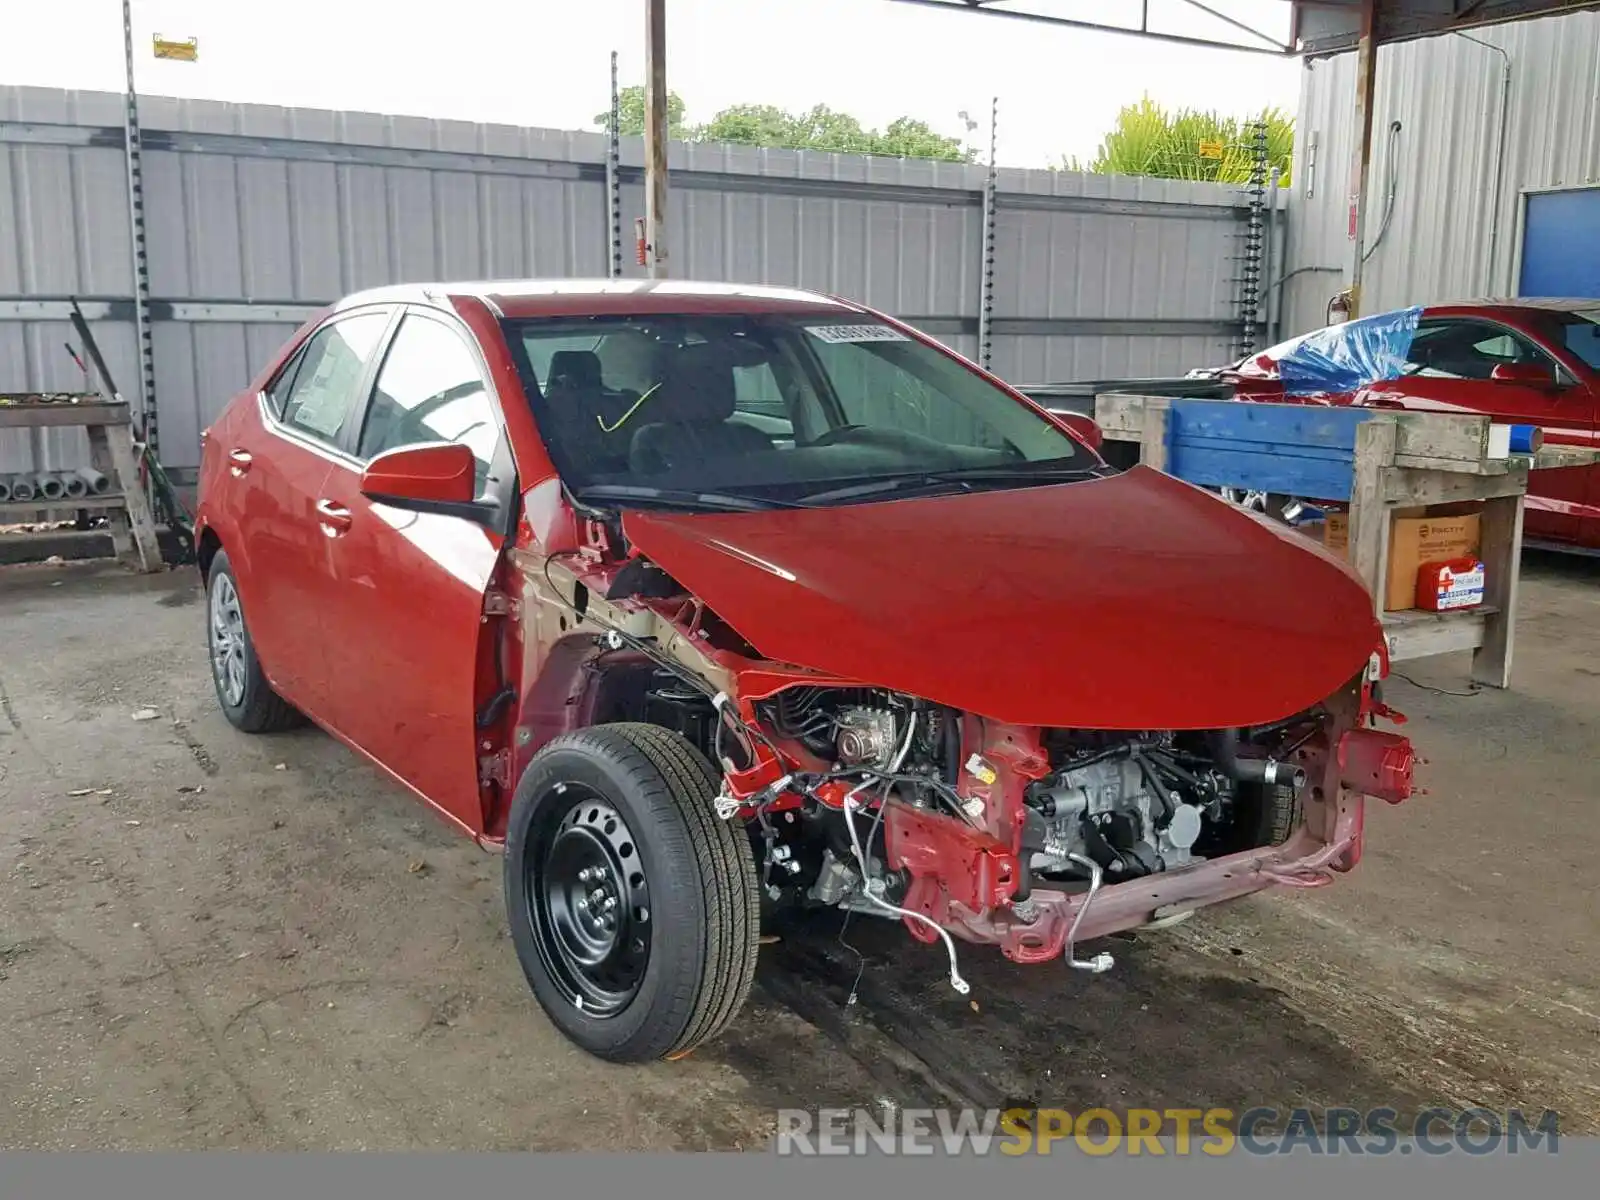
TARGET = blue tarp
x,y
1342,358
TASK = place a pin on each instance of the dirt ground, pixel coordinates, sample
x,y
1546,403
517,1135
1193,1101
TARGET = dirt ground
x,y
212,940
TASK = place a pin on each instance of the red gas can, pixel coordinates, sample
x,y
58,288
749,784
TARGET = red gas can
x,y
1449,585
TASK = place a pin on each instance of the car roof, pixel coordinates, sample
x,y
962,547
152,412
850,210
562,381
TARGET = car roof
x,y
584,297
1513,303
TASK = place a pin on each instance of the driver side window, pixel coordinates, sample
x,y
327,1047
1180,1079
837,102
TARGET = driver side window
x,y
1468,350
429,389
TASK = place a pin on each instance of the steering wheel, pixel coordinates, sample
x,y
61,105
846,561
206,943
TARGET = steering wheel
x,y
834,435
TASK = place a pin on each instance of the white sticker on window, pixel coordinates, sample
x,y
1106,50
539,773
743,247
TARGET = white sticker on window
x,y
856,333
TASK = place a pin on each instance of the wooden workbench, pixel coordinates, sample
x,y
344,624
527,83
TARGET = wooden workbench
x,y
111,449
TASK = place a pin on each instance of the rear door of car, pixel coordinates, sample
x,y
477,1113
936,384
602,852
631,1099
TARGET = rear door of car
x,y
277,465
403,592
1451,362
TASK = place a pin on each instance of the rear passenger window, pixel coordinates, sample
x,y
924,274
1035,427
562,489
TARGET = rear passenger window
x,y
429,389
326,380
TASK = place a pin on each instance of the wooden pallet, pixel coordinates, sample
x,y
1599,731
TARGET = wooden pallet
x,y
1378,460
109,427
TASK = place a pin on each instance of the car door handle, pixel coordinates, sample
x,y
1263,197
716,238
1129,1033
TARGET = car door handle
x,y
334,518
239,462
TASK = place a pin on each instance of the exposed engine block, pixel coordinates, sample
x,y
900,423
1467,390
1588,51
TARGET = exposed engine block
x,y
1110,812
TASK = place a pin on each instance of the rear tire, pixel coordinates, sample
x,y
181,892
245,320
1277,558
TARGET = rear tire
x,y
632,906
245,696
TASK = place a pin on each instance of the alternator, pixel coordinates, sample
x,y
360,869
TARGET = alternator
x,y
865,737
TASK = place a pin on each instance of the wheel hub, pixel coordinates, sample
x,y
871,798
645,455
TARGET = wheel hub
x,y
227,640
590,902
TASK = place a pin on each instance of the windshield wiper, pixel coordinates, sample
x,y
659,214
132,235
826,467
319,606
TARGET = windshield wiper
x,y
961,478
680,498
1050,472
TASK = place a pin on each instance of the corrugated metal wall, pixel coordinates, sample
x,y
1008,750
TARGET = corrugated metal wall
x,y
257,214
1447,239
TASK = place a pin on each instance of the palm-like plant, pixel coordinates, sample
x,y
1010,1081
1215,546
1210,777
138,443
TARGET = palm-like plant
x,y
1150,140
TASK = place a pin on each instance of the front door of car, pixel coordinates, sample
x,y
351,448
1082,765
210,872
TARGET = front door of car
x,y
404,591
1480,366
278,466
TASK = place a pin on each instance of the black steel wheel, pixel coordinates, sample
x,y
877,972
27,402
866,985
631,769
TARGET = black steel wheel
x,y
632,905
588,898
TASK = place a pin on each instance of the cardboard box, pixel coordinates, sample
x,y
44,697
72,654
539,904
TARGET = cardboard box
x,y
1336,534
1433,537
1417,536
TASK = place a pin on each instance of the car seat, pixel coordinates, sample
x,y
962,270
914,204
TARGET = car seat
x,y
688,415
580,406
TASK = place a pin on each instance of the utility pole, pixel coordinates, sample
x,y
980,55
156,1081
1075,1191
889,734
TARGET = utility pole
x,y
655,136
1361,159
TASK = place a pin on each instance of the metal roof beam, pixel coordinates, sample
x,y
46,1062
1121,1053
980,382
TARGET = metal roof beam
x,y
1264,43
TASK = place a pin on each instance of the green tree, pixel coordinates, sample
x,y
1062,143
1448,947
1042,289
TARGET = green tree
x,y
827,129
1149,140
908,138
748,125
630,113
819,128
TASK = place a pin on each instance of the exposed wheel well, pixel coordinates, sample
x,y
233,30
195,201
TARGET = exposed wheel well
x,y
636,690
205,550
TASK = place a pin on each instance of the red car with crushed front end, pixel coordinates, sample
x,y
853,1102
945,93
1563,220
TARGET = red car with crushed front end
x,y
707,602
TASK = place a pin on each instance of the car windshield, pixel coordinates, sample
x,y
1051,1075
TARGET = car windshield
x,y
773,409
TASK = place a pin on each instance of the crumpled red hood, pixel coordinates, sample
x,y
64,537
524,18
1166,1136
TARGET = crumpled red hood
x,y
1131,602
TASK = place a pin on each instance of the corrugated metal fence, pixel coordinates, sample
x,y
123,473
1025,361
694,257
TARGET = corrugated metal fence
x,y
258,214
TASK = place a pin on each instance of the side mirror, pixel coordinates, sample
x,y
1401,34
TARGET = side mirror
x,y
1529,374
436,477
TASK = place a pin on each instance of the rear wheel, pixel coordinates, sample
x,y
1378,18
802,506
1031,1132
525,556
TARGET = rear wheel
x,y
632,906
245,696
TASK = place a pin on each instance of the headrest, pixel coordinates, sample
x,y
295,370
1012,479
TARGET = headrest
x,y
696,388
574,369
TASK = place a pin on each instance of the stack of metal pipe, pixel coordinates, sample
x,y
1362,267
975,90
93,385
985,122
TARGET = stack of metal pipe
x,y
52,488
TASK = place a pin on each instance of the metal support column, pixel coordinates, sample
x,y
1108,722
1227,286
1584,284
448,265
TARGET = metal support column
x,y
655,136
986,279
134,152
1361,160
1270,264
613,180
1253,261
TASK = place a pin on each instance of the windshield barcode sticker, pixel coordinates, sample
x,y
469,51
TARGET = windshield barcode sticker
x,y
856,333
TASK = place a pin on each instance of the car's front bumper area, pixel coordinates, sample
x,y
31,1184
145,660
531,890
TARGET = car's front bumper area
x,y
958,876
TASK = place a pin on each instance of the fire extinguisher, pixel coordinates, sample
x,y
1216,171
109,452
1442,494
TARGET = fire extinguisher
x,y
1339,308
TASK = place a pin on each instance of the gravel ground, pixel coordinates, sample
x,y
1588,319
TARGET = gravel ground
x,y
212,940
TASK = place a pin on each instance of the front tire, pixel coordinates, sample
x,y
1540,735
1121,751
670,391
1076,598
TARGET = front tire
x,y
245,696
632,906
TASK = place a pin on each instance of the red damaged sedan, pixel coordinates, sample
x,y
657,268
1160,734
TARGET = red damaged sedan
x,y
706,602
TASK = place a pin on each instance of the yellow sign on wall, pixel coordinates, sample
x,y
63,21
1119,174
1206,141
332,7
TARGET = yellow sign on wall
x,y
187,50
1211,149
